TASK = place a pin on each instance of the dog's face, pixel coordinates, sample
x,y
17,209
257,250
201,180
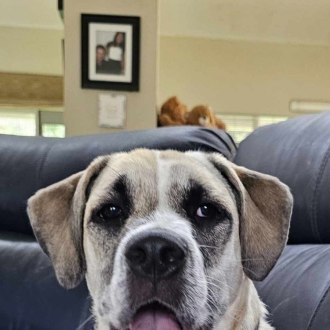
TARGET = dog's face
x,y
162,237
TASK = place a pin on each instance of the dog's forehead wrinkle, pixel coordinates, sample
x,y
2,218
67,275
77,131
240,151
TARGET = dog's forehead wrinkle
x,y
161,218
138,169
134,164
176,173
198,188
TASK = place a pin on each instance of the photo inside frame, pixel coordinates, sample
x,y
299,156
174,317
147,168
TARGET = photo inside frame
x,y
110,52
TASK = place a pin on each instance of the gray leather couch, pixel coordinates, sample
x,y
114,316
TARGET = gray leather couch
x,y
298,153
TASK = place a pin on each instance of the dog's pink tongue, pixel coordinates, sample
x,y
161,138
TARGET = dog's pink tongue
x,y
154,320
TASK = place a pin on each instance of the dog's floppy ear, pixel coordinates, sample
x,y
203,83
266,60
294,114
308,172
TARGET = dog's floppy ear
x,y
265,207
265,219
56,214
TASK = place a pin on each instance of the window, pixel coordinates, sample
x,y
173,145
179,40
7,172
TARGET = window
x,y
268,120
32,122
18,122
53,130
240,126
51,124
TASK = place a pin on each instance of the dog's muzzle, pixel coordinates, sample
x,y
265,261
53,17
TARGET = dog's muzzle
x,y
157,257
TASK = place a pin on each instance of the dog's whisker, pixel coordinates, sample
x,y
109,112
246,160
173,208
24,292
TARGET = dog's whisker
x,y
250,270
217,286
209,246
222,285
238,260
218,281
230,314
85,322
112,169
212,300
213,304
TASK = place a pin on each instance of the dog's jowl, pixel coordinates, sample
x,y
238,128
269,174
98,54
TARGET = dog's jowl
x,y
166,240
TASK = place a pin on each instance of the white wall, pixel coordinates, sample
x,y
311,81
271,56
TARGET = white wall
x,y
242,77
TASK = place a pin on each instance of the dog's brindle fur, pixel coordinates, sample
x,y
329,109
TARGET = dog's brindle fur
x,y
161,191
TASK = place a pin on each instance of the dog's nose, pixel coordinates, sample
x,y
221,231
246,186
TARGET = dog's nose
x,y
155,256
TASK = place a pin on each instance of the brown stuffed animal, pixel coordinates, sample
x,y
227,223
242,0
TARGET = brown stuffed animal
x,y
203,115
172,112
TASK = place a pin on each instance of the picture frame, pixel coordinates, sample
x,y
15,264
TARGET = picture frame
x,y
110,52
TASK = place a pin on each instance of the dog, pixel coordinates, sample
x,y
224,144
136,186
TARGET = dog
x,y
165,239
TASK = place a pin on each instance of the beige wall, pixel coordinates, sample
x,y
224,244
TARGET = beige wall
x,y
242,77
81,105
231,76
27,50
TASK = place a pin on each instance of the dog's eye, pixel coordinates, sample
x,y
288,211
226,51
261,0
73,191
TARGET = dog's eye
x,y
110,212
206,211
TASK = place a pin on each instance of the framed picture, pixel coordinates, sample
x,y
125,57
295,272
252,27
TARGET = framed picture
x,y
110,52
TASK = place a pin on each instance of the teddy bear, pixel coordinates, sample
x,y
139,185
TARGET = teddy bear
x,y
172,112
203,115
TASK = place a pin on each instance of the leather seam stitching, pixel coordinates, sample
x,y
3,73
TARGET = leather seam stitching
x,y
315,194
310,324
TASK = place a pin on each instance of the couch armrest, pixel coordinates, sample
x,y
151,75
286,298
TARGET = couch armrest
x,y
297,151
296,291
31,297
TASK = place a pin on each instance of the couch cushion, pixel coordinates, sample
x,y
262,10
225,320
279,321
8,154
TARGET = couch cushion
x,y
297,152
30,163
31,298
297,290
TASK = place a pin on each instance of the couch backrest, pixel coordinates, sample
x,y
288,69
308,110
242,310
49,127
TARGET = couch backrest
x,y
30,163
297,151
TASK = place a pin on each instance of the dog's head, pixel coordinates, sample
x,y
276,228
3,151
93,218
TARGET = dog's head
x,y
163,234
